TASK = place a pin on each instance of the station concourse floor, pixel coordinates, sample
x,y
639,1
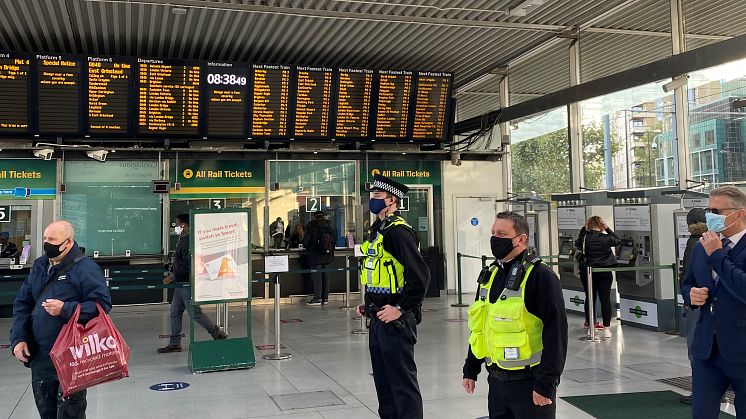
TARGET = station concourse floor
x,y
332,367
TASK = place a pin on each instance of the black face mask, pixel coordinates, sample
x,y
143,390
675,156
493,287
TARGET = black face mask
x,y
53,250
501,246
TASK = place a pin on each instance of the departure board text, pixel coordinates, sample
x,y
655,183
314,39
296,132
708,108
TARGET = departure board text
x,y
271,93
59,94
109,95
168,98
227,89
394,93
431,105
313,102
353,103
14,78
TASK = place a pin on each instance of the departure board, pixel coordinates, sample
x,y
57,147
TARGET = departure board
x,y
313,102
353,103
58,87
168,97
227,90
109,94
394,94
271,93
14,85
431,108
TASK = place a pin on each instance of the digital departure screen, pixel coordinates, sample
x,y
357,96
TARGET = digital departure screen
x,y
431,108
313,102
353,103
109,95
270,98
14,85
59,94
394,93
227,90
168,96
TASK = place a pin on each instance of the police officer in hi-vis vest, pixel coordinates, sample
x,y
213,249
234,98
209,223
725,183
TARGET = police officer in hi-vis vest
x,y
518,327
395,278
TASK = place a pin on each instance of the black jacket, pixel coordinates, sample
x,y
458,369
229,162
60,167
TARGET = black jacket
x,y
182,260
310,240
402,243
598,247
84,284
544,300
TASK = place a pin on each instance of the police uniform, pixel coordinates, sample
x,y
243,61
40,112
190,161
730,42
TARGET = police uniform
x,y
394,273
520,332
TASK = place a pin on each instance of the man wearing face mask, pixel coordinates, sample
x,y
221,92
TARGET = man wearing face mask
x,y
715,282
519,304
58,283
395,278
179,271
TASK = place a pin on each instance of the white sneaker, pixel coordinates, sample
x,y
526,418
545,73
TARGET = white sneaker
x,y
607,332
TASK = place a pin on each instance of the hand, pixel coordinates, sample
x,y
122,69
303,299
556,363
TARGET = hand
x,y
540,400
359,310
469,385
388,314
711,242
53,307
21,352
698,296
168,279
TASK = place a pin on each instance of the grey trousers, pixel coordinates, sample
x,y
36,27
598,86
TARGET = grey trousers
x,y
690,318
180,303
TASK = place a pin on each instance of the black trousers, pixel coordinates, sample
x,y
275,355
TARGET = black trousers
x,y
514,399
394,371
601,289
48,394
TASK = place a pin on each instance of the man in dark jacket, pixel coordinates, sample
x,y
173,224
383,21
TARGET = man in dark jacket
x,y
58,283
319,257
695,219
180,272
8,249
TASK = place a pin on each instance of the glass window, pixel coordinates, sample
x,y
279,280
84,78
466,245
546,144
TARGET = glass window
x,y
15,234
712,113
309,186
540,153
696,167
696,140
183,206
636,125
112,208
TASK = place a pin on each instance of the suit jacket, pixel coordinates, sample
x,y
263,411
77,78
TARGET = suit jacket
x,y
723,316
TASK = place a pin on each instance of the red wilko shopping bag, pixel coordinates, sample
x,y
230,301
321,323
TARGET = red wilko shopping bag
x,y
85,356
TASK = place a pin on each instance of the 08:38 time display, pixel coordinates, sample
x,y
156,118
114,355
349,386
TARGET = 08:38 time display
x,y
230,79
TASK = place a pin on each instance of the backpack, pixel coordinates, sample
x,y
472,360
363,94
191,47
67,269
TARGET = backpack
x,y
325,240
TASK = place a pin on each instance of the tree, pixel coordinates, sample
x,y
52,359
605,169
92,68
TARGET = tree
x,y
542,164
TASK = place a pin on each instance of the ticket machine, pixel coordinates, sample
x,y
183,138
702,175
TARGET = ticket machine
x,y
642,219
573,210
539,218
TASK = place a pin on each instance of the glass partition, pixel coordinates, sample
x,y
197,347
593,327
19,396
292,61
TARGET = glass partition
x,y
305,187
15,233
540,153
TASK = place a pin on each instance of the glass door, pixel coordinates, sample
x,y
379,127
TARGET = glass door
x,y
418,212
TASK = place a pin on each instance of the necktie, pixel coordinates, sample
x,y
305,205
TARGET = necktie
x,y
726,248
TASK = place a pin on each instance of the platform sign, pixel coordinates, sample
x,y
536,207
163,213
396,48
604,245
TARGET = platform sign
x,y
221,273
4,213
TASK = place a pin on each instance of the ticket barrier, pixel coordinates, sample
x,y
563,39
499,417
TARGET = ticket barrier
x,y
539,218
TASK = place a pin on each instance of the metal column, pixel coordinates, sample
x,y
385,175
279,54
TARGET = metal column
x,y
574,123
507,165
680,95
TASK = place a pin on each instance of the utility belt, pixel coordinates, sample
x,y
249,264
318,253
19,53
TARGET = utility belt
x,y
511,375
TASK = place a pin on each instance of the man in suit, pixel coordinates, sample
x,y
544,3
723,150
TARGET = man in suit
x,y
715,281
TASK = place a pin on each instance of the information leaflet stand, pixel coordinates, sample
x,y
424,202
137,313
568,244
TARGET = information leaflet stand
x,y
220,245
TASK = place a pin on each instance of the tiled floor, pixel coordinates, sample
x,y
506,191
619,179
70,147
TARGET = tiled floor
x,y
330,369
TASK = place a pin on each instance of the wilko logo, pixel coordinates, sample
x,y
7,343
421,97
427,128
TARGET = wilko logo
x,y
93,345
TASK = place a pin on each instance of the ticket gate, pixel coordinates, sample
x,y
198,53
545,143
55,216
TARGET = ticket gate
x,y
642,219
573,209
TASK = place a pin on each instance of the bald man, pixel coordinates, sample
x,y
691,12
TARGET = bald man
x,y
60,281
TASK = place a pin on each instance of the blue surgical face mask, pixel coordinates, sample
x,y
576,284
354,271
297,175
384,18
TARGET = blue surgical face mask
x,y
377,205
716,222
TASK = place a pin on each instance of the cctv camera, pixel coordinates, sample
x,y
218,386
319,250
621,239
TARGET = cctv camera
x,y
44,153
98,155
676,83
456,159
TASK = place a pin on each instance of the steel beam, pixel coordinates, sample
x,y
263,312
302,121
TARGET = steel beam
x,y
507,161
680,96
574,123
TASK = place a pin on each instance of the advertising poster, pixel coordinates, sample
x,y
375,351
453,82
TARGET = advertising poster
x,y
221,256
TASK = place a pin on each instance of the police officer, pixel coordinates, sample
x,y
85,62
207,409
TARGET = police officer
x,y
518,327
395,278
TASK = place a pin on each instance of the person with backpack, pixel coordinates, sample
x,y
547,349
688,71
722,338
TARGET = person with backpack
x,y
60,281
319,241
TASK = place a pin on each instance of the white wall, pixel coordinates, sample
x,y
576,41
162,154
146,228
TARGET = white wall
x,y
477,179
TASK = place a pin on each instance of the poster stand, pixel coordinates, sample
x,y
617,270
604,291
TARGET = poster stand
x,y
220,246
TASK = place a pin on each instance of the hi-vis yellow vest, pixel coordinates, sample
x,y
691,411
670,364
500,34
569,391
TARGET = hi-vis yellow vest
x,y
505,332
381,273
